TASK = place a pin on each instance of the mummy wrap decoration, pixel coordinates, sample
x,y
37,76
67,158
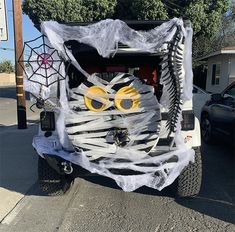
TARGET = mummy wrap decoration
x,y
113,117
113,123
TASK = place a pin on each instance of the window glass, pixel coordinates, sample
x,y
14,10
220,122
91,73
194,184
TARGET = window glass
x,y
195,90
216,73
231,91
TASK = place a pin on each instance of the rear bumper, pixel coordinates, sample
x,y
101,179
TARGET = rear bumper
x,y
153,171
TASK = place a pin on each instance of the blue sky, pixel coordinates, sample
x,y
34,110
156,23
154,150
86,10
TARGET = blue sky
x,y
29,32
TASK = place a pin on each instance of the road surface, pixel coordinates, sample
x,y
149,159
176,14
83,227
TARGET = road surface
x,y
97,204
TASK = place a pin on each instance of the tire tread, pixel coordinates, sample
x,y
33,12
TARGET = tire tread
x,y
51,182
189,181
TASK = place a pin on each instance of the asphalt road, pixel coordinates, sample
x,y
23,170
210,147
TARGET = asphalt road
x,y
8,106
96,204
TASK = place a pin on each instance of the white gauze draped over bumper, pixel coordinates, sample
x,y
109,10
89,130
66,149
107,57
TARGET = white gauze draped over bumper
x,y
95,152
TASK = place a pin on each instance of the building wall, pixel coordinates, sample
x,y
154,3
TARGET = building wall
x,y
227,72
7,79
231,68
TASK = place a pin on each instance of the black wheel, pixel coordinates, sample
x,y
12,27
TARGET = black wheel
x,y
189,181
51,182
206,129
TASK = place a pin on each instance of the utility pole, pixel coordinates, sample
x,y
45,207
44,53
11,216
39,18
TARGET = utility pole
x,y
20,94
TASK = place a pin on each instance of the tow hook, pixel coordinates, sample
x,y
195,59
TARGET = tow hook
x,y
67,167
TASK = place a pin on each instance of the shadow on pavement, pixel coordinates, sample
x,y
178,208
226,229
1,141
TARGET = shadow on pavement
x,y
18,160
35,190
216,198
10,92
110,183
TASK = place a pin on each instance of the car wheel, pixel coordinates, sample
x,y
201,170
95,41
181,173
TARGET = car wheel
x,y
189,181
206,129
51,182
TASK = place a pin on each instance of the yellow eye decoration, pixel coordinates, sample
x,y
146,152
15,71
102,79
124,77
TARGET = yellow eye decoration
x,y
127,98
91,103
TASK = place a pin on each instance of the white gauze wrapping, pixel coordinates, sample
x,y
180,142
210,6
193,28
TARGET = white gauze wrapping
x,y
156,171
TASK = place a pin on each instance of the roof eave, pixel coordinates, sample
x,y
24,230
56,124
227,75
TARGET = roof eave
x,y
217,53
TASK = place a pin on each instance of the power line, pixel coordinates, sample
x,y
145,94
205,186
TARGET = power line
x,y
174,4
174,7
27,52
7,49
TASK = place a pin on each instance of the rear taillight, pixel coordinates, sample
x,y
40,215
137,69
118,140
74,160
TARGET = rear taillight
x,y
188,122
47,119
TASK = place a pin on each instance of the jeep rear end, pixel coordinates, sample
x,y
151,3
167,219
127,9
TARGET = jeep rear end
x,y
127,115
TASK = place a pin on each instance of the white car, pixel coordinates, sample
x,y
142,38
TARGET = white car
x,y
200,97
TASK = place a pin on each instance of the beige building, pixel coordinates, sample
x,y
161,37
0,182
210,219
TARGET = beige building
x,y
221,69
7,79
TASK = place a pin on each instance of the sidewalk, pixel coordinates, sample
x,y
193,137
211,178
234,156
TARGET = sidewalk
x,y
18,160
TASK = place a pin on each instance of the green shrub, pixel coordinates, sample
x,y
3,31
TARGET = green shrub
x,y
6,66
